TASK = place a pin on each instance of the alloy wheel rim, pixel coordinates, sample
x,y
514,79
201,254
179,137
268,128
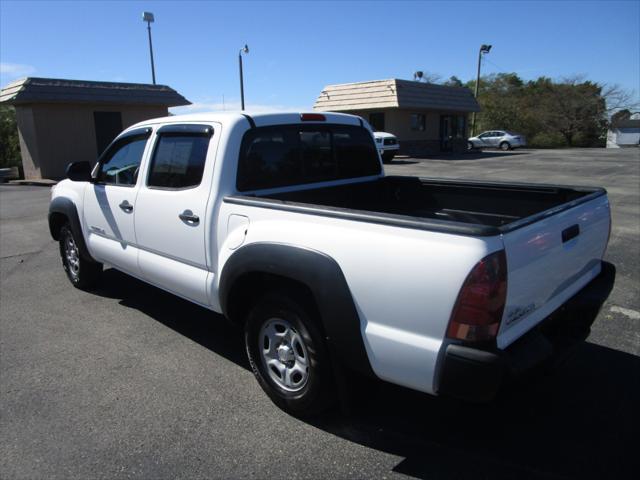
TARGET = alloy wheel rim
x,y
284,354
73,256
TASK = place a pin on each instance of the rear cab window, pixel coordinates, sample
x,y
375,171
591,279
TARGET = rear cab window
x,y
286,155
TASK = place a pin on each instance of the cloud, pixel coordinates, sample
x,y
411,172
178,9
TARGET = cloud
x,y
198,107
10,71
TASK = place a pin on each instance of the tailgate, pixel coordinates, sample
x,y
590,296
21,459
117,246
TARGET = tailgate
x,y
549,261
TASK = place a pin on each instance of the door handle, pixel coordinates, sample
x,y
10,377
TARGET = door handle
x,y
126,206
572,232
189,218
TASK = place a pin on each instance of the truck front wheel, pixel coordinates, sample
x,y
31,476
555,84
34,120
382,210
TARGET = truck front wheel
x,y
288,355
82,273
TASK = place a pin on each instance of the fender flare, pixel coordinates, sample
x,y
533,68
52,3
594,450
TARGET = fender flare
x,y
66,207
324,278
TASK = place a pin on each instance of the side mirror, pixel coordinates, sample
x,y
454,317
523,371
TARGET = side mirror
x,y
79,172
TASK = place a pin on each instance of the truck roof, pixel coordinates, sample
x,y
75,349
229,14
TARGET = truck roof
x,y
259,118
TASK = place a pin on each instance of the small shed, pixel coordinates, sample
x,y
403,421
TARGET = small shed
x,y
427,118
62,121
624,133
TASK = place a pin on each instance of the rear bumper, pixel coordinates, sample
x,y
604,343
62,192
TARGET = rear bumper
x,y
476,374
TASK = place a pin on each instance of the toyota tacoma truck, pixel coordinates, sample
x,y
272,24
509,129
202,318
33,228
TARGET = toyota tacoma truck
x,y
286,224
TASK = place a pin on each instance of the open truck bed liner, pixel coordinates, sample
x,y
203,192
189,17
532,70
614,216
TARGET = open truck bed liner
x,y
461,207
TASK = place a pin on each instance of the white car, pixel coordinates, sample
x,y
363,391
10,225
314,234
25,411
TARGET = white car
x,y
502,139
286,224
387,144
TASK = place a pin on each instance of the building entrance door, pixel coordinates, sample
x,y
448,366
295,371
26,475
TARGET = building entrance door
x,y
446,133
108,125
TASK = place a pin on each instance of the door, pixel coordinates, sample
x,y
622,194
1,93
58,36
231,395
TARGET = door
x,y
494,139
109,202
445,133
108,125
170,213
376,120
487,139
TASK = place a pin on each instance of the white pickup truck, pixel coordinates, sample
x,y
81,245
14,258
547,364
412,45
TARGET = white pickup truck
x,y
286,224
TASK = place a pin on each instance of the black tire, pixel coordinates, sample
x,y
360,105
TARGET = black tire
x,y
83,273
504,146
387,157
316,394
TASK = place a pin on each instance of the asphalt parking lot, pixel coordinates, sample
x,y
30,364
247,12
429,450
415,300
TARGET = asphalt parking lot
x,y
131,382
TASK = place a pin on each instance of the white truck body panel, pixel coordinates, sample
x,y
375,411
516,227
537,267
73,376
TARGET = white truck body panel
x,y
404,292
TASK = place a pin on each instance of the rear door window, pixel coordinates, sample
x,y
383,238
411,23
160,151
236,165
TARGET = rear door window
x,y
178,159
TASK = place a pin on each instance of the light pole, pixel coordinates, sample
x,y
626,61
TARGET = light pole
x,y
245,50
483,49
148,17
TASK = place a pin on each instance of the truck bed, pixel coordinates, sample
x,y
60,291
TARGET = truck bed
x,y
497,207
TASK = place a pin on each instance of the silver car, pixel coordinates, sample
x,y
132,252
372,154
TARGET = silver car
x,y
502,139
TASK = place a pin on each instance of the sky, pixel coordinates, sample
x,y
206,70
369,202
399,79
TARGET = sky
x,y
296,48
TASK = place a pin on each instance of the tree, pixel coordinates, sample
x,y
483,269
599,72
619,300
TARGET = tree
x,y
427,77
572,107
620,116
552,113
453,82
9,143
617,98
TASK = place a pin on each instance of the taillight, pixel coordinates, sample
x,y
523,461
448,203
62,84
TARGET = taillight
x,y
312,117
477,313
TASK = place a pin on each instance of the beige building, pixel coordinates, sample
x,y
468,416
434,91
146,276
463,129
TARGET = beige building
x,y
427,118
63,121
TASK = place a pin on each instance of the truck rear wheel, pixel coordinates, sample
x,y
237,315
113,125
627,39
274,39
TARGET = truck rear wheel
x,y
81,272
288,355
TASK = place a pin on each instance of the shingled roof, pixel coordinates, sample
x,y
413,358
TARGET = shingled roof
x,y
53,90
395,93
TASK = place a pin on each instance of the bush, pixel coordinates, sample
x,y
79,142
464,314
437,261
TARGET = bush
x,y
584,140
548,140
9,143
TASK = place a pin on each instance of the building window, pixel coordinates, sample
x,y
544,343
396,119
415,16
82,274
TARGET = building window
x,y
418,122
376,120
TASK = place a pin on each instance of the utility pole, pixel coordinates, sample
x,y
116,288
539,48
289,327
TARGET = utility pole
x,y
483,49
148,17
245,50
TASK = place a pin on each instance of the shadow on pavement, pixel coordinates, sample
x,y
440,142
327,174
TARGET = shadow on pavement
x,y
579,421
473,155
402,161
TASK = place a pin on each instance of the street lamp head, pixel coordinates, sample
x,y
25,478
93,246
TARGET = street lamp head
x,y
245,49
147,17
485,48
